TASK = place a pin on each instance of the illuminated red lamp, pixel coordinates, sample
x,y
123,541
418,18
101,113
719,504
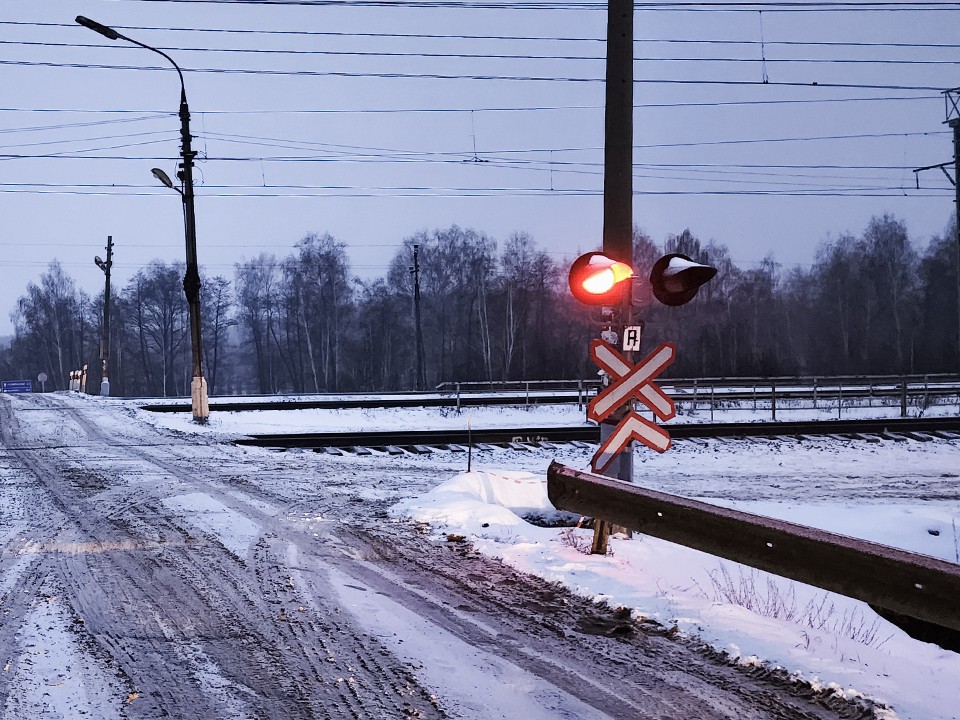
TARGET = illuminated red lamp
x,y
596,279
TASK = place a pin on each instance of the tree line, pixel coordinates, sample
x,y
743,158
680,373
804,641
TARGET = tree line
x,y
872,303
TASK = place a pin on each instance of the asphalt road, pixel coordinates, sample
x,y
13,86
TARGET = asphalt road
x,y
146,574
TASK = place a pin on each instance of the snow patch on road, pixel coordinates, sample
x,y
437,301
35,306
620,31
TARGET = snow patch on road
x,y
469,680
235,532
53,677
225,693
13,573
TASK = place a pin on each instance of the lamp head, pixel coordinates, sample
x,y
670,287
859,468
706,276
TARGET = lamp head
x,y
596,279
162,177
676,278
107,32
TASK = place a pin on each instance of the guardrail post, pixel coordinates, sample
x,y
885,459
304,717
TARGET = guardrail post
x,y
773,398
711,402
695,396
814,393
839,399
579,394
458,396
903,396
528,392
754,397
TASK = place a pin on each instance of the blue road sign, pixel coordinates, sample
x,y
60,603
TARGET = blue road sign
x,y
17,386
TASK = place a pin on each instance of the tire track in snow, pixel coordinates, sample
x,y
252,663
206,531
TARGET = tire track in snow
x,y
270,623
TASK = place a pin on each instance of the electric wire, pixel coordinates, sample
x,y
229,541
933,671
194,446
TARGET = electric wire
x,y
736,7
152,114
491,56
333,191
452,76
523,38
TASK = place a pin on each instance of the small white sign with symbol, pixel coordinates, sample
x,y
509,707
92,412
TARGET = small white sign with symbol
x,y
631,338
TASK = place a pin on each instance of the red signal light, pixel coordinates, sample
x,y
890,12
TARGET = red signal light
x,y
596,279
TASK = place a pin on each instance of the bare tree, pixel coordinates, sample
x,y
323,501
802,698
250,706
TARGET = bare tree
x,y
48,318
215,312
257,300
162,326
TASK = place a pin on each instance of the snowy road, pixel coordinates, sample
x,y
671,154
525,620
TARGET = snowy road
x,y
148,574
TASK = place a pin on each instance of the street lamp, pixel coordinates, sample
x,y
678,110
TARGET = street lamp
x,y
191,280
105,338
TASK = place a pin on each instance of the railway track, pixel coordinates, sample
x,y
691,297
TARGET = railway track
x,y
525,438
703,393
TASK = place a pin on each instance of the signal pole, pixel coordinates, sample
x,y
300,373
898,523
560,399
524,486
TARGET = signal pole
x,y
618,193
415,271
105,339
952,100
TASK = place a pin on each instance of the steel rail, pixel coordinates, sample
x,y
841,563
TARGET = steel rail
x,y
367,402
901,428
407,438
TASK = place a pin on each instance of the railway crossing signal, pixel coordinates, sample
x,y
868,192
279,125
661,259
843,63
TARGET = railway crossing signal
x,y
631,382
597,279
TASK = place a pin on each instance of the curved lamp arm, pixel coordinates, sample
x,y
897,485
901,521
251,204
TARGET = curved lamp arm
x,y
111,34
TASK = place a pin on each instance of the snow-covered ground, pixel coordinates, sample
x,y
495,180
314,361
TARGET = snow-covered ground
x,y
903,494
265,422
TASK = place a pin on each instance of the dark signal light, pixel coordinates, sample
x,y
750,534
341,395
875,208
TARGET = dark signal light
x,y
676,278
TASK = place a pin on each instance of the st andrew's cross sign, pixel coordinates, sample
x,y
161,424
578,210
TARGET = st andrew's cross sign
x,y
629,383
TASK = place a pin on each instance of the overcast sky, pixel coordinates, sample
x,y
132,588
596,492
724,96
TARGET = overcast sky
x,y
372,122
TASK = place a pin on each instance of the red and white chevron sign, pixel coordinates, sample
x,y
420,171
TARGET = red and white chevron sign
x,y
631,382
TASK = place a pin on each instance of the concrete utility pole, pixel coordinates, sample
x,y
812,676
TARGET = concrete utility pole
x,y
105,339
618,192
952,100
191,280
415,271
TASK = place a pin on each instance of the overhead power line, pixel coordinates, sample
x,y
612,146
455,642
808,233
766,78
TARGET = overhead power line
x,y
153,114
676,6
140,117
168,135
494,56
443,76
335,152
505,56
426,192
523,38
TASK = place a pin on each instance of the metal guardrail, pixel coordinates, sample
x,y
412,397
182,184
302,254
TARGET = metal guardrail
x,y
929,380
710,395
900,585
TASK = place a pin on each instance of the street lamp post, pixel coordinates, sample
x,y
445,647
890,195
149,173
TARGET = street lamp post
x,y
105,338
191,280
